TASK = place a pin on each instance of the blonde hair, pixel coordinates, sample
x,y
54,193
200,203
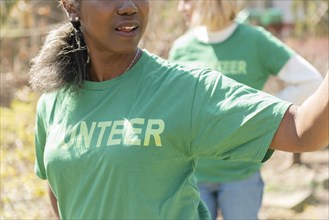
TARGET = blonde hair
x,y
215,14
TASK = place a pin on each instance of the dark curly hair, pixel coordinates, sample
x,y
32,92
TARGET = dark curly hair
x,y
62,60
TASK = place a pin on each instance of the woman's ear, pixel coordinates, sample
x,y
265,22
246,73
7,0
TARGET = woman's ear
x,y
70,9
68,6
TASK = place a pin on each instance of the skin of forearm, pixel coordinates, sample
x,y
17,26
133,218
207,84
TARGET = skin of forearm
x,y
312,119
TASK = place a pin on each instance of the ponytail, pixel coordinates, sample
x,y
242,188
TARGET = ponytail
x,y
62,61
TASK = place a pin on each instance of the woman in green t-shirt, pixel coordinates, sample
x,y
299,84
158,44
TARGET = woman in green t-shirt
x,y
249,55
119,130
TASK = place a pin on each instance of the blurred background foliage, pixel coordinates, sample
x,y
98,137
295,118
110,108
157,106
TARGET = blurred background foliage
x,y
24,24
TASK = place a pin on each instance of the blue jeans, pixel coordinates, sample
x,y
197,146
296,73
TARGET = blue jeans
x,y
237,200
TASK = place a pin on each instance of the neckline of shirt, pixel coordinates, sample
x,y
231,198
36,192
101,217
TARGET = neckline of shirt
x,y
205,36
103,85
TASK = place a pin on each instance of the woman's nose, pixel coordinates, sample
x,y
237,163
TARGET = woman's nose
x,y
127,7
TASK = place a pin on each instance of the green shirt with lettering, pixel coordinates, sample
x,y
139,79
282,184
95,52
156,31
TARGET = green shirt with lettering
x,y
249,60
127,148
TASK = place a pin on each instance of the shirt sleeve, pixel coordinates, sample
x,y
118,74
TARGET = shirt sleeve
x,y
301,80
272,52
232,121
40,141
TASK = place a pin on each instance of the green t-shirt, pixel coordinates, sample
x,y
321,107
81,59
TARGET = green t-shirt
x,y
250,55
127,148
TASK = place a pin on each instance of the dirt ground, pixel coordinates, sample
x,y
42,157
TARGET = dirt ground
x,y
309,182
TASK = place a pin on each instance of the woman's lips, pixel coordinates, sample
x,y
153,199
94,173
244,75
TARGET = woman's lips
x,y
127,29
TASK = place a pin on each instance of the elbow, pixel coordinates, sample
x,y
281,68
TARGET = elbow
x,y
302,148
306,144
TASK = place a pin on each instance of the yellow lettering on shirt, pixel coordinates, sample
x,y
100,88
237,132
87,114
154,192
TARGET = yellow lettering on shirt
x,y
116,130
128,132
102,125
87,135
232,67
132,134
154,128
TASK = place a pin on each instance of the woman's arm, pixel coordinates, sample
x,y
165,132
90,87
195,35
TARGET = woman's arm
x,y
305,128
301,80
53,201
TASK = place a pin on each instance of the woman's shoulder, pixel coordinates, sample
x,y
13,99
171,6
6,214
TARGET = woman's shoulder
x,y
43,102
50,98
253,30
153,61
163,66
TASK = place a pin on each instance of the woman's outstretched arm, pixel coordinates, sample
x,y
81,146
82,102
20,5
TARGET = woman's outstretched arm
x,y
305,128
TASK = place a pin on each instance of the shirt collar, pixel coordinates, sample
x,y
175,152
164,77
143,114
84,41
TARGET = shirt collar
x,y
203,35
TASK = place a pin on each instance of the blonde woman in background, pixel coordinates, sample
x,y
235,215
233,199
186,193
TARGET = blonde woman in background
x,y
249,55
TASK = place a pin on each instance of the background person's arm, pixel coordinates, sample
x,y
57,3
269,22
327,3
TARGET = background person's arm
x,y
53,201
301,80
